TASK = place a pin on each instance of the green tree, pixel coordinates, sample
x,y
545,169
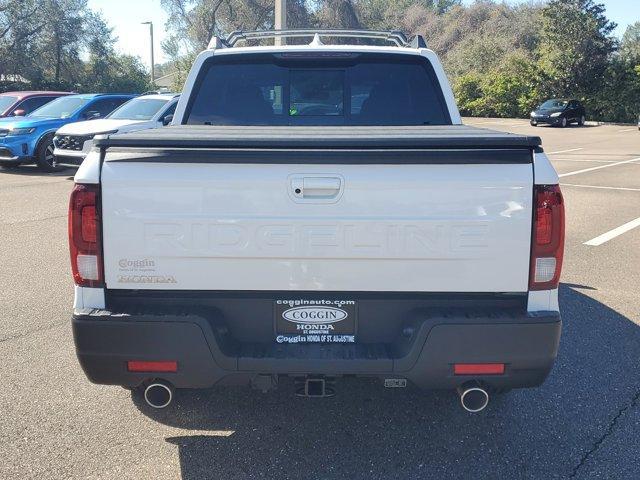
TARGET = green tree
x,y
20,24
502,58
62,37
338,14
575,46
179,62
469,94
618,99
106,70
44,44
508,91
630,45
195,22
126,74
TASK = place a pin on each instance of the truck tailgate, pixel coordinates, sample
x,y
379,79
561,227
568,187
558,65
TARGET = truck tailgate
x,y
361,219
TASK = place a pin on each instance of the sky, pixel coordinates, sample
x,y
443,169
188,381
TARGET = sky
x,y
133,38
125,16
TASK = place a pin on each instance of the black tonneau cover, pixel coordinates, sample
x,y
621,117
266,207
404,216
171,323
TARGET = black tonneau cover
x,y
450,144
283,137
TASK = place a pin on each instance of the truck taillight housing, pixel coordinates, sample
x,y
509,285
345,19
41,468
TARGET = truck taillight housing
x,y
85,239
547,246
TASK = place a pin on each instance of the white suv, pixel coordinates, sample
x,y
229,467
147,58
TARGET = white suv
x,y
73,141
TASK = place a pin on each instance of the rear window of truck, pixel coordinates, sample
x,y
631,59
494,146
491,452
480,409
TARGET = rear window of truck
x,y
328,89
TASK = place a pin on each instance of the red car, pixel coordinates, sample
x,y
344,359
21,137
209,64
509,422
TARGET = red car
x,y
17,104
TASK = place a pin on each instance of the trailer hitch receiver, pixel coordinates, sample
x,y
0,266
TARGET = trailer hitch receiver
x,y
316,387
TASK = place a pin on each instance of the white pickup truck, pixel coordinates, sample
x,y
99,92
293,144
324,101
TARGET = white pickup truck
x,y
317,212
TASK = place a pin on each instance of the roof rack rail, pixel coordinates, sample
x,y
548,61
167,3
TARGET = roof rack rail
x,y
396,37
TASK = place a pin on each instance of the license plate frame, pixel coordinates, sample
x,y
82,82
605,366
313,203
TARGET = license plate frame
x,y
300,320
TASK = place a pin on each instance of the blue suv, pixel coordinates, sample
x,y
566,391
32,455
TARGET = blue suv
x,y
30,139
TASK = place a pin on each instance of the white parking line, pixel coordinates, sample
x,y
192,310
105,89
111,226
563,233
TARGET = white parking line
x,y
585,170
626,130
605,237
565,151
626,189
581,160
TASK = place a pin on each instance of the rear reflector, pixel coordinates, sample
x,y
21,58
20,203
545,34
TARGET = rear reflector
x,y
545,269
84,236
144,366
547,243
88,267
478,368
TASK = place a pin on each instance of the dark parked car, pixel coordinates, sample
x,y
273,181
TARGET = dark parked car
x,y
559,112
19,104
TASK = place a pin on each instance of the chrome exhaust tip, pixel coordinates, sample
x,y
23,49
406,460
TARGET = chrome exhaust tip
x,y
473,397
158,394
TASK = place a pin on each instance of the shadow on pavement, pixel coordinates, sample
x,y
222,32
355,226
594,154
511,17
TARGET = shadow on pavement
x,y
368,432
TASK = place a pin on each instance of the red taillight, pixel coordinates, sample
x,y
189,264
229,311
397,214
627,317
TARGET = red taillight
x,y
548,238
84,236
88,224
544,226
152,366
478,369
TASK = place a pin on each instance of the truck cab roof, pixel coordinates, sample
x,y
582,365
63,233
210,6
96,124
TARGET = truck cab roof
x,y
327,57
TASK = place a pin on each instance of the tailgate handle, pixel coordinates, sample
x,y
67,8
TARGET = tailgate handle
x,y
316,188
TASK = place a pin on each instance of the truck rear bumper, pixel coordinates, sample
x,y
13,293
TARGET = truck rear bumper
x,y
423,354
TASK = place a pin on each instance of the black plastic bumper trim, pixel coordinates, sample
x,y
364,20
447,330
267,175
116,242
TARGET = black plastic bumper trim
x,y
526,343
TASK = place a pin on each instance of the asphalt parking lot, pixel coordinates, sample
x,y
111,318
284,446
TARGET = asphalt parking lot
x,y
583,423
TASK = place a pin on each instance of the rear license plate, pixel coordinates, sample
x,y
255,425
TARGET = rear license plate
x,y
315,321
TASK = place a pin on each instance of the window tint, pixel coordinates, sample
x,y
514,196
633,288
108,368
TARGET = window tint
x,y
33,103
104,106
139,109
63,107
554,104
316,92
395,94
6,101
247,94
170,111
358,90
